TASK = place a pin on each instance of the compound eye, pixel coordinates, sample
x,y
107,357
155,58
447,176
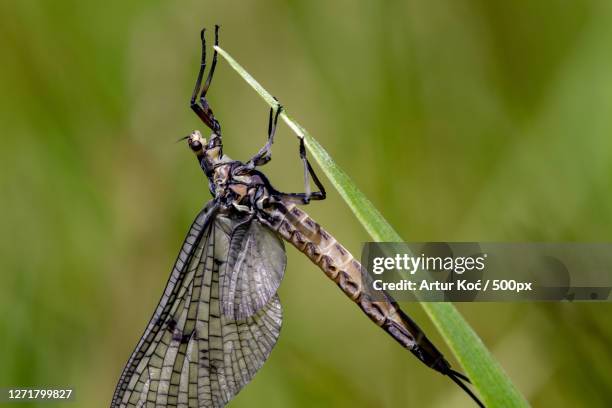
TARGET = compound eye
x,y
195,145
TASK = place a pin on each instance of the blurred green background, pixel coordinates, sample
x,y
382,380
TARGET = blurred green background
x,y
461,120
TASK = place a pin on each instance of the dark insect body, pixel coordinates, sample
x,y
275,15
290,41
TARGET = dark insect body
x,y
219,316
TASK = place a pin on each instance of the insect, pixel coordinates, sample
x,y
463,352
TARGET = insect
x,y
219,316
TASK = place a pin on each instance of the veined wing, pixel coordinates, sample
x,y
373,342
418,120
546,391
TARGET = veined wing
x,y
191,355
254,270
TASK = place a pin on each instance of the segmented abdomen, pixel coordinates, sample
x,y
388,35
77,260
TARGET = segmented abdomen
x,y
296,227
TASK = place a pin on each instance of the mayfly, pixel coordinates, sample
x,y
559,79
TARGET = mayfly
x,y
220,316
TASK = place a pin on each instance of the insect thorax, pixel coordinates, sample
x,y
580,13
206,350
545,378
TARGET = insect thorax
x,y
237,187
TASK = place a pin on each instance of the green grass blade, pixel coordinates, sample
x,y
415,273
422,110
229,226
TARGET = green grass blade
x,y
493,385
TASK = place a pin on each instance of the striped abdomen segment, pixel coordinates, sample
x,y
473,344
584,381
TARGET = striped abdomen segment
x,y
295,226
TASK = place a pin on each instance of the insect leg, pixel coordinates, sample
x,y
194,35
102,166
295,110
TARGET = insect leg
x,y
307,195
203,110
265,153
